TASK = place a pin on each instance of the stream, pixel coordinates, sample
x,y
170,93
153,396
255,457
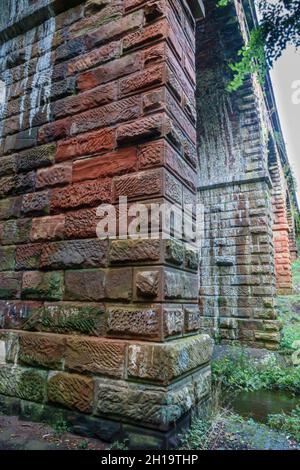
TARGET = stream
x,y
259,404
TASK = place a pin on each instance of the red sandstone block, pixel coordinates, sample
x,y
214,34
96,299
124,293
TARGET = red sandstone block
x,y
143,80
47,228
152,154
113,113
96,14
55,175
94,58
142,36
28,256
54,131
146,128
112,71
81,194
142,184
116,163
115,29
155,54
154,100
85,285
81,224
86,144
87,100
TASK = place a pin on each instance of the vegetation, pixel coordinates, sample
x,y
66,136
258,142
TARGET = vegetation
x,y
244,373
279,26
60,427
287,423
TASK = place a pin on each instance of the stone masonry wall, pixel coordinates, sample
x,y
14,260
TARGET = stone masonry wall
x,y
237,293
281,226
97,103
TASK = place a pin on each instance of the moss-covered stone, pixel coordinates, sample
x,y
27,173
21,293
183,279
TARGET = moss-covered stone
x,y
86,319
45,286
25,383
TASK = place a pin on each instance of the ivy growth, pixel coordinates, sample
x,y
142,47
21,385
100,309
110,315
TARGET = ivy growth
x,y
279,26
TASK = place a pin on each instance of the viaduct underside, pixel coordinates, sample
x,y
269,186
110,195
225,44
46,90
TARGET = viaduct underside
x,y
106,99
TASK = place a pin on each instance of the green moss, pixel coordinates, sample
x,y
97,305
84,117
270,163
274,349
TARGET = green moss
x,y
32,386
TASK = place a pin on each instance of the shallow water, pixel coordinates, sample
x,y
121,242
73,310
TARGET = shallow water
x,y
258,405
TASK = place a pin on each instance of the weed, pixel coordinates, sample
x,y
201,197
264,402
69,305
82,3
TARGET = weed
x,y
119,445
60,427
83,445
287,423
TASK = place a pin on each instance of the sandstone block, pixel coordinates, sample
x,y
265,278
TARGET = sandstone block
x,y
8,165
71,390
42,350
25,383
36,203
10,285
15,231
10,208
130,322
164,362
191,318
146,128
94,58
81,194
91,99
143,80
180,285
15,314
85,285
147,283
98,356
173,317
155,32
156,405
41,285
133,251
111,114
71,254
118,284
81,224
55,175
90,143
36,157
28,257
67,317
109,72
140,185
47,228
115,29
111,164
7,258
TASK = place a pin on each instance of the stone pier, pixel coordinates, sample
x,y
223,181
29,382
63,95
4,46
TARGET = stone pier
x,y
245,186
98,103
